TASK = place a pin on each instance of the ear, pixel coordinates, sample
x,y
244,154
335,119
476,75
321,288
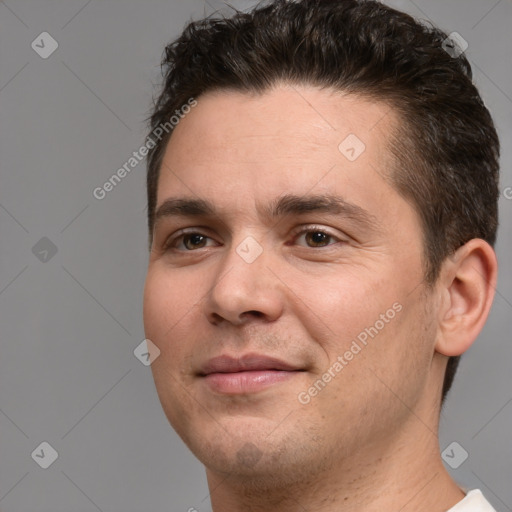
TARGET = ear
x,y
468,282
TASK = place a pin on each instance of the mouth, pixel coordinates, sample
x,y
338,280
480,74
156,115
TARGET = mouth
x,y
247,374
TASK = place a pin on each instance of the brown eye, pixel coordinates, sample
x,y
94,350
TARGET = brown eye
x,y
317,238
313,237
189,242
194,241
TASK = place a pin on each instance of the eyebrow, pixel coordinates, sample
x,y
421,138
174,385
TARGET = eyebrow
x,y
184,207
324,203
288,204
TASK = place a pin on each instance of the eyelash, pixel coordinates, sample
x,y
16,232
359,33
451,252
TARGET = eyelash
x,y
309,229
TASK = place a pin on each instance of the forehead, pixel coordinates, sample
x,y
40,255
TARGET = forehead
x,y
303,116
291,139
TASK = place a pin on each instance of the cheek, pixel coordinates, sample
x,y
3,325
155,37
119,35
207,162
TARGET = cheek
x,y
172,302
378,330
165,324
156,307
167,302
344,306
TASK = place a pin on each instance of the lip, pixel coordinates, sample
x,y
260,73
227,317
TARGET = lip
x,y
245,363
246,374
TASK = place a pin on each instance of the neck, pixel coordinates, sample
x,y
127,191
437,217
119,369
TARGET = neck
x,y
405,473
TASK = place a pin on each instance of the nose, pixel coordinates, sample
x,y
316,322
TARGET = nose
x,y
244,289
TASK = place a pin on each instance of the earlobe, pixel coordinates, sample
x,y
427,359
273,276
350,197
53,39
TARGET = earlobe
x,y
468,280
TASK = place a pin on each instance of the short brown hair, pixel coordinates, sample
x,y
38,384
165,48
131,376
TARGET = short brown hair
x,y
447,148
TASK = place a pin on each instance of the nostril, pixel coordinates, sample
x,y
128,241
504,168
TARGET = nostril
x,y
255,313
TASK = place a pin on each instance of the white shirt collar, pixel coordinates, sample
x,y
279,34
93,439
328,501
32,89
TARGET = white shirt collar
x,y
473,502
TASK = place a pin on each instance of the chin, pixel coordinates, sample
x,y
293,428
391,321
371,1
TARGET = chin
x,y
257,450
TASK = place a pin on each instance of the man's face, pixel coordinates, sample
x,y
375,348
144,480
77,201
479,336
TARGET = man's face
x,y
278,288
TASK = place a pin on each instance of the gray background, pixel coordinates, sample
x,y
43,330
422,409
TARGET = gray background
x,y
68,375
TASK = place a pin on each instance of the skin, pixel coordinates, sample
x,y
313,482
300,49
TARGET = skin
x,y
368,439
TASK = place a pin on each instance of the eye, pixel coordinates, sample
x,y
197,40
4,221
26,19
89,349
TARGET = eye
x,y
189,242
316,237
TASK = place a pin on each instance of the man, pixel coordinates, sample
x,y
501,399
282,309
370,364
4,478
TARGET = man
x,y
322,213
